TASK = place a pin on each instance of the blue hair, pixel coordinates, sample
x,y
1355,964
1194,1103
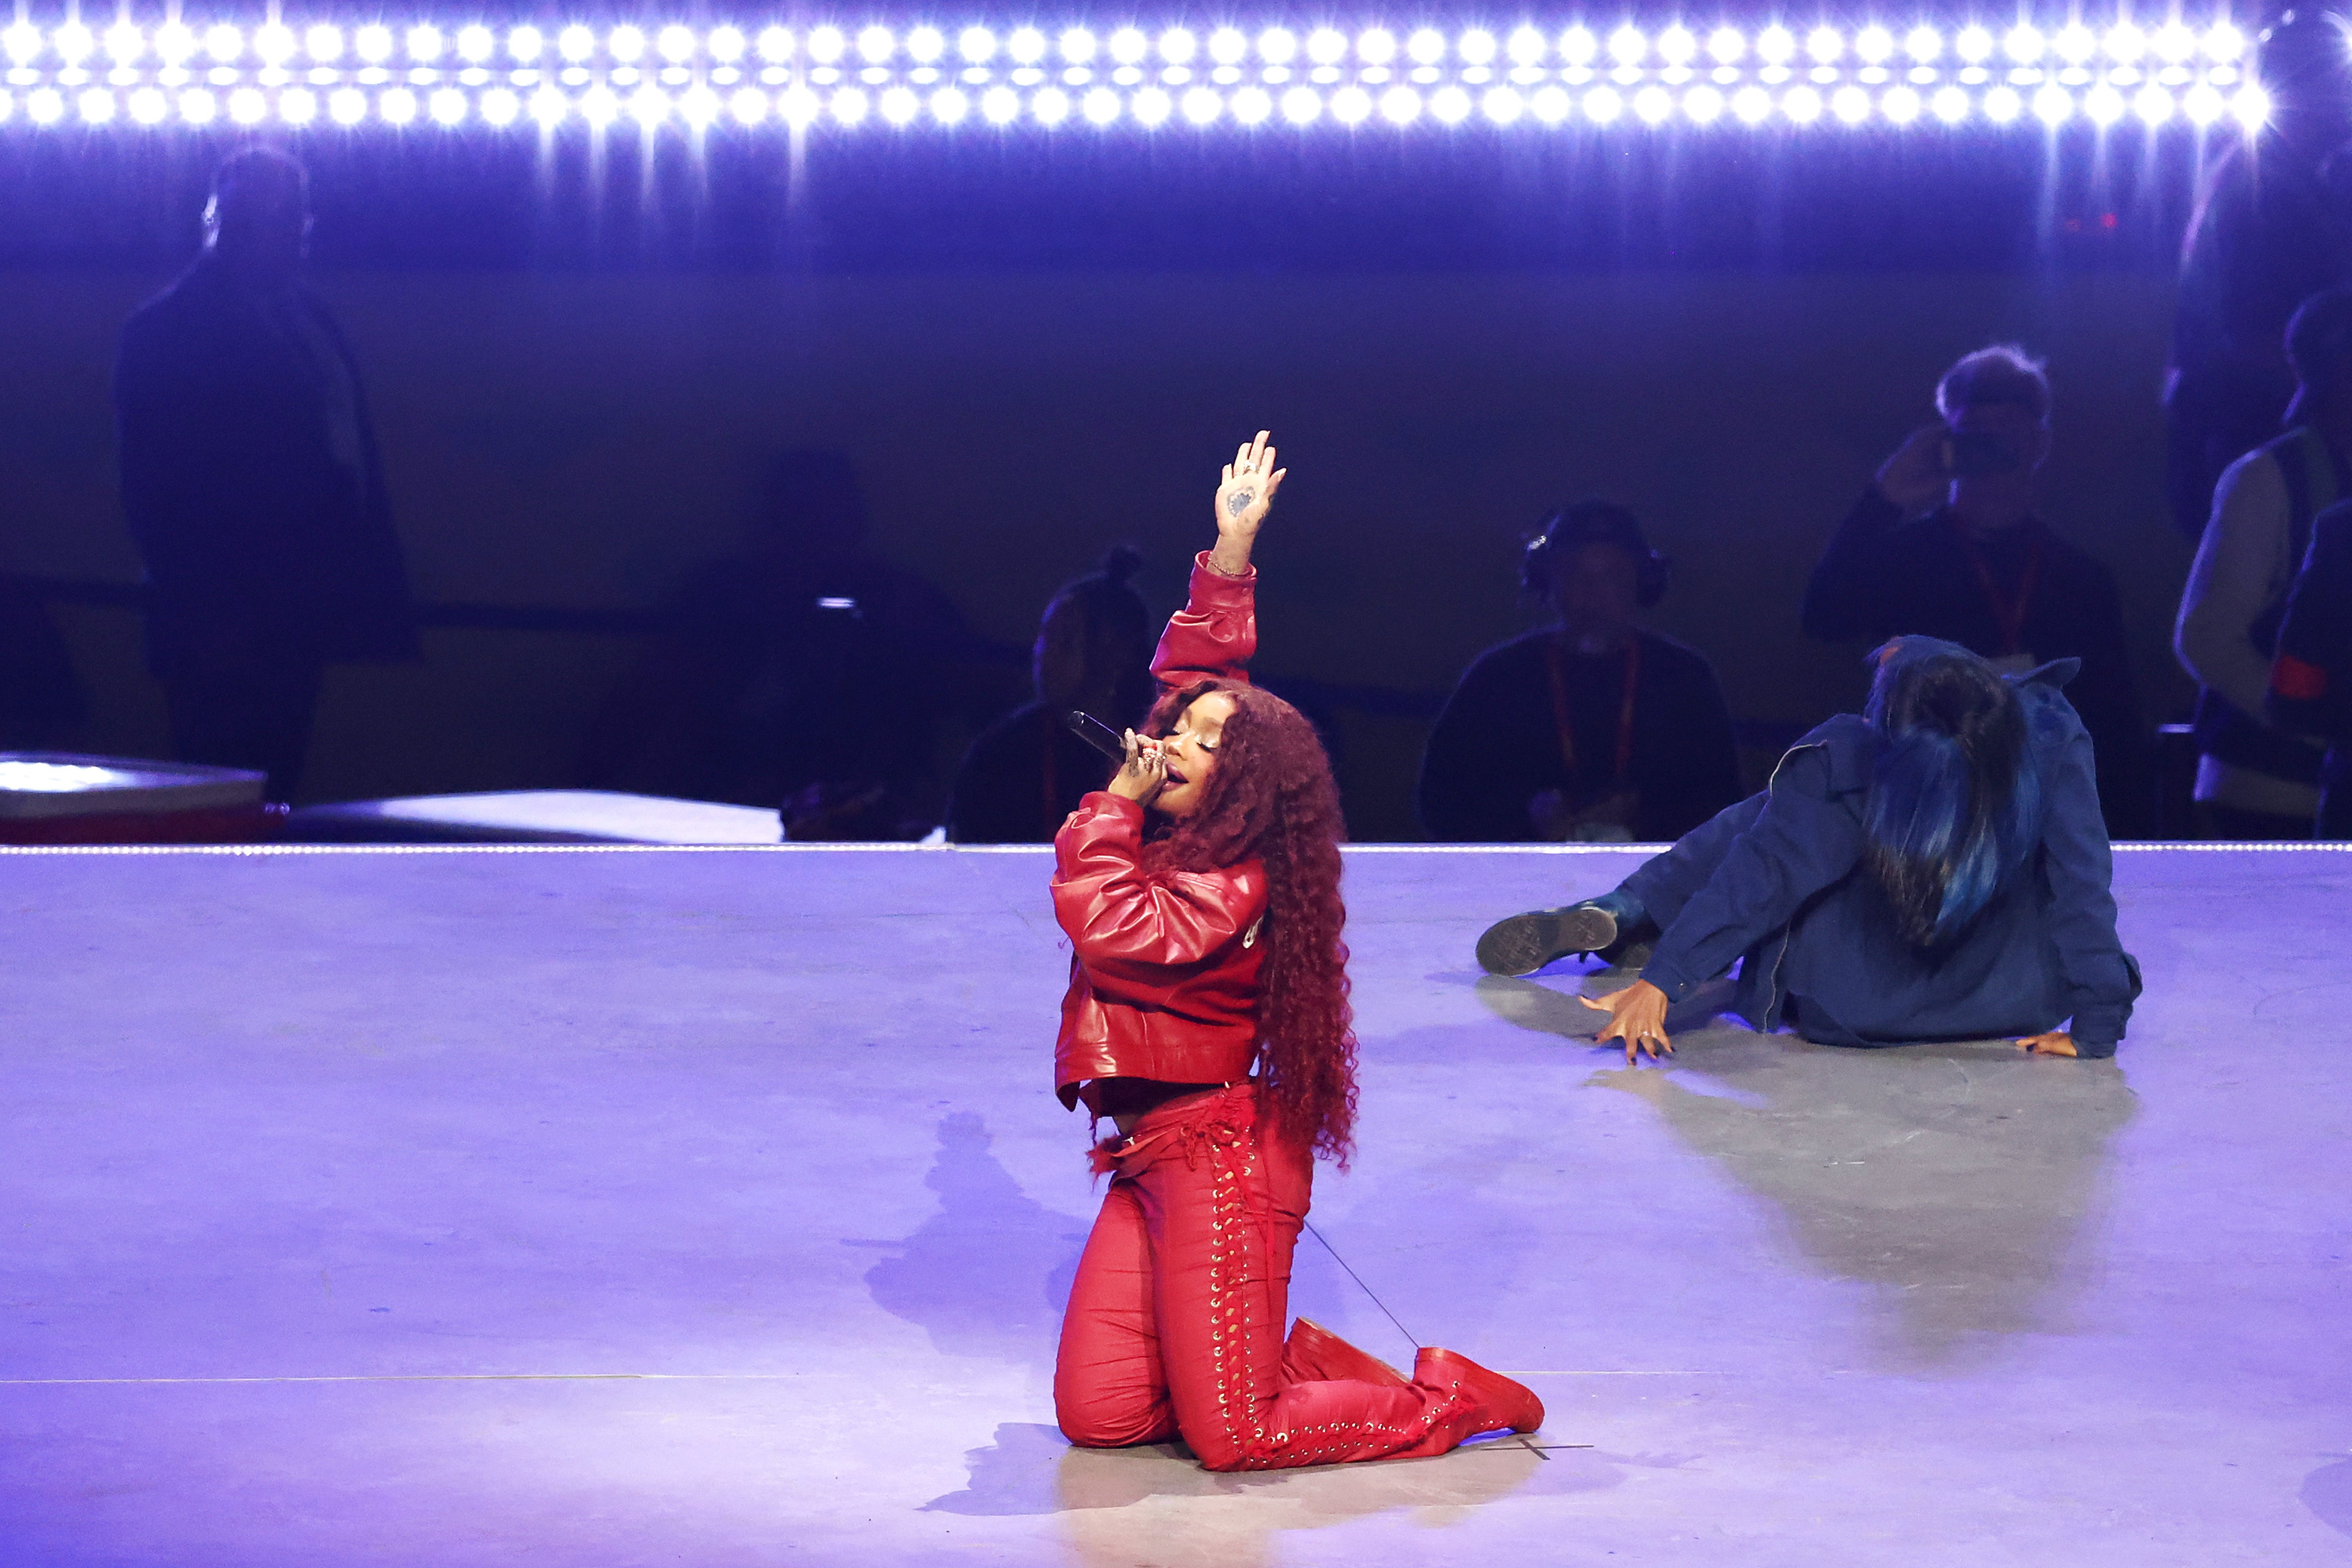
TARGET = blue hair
x,y
1954,802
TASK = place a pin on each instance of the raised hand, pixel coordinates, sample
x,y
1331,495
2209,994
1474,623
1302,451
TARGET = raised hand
x,y
1144,773
1916,478
1242,496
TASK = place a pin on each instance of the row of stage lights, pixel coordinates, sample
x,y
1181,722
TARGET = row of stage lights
x,y
74,46
702,107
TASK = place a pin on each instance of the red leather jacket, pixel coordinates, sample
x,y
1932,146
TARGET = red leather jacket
x,y
1163,969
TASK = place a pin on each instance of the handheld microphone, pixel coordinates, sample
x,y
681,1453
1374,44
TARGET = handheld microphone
x,y
1096,734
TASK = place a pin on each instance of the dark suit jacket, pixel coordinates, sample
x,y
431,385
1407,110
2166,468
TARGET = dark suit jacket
x,y
256,538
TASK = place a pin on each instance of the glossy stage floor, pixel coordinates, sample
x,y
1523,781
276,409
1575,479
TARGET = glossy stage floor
x,y
603,1208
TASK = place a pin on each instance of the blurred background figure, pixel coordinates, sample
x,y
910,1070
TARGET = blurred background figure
x,y
1025,773
251,485
2272,227
1594,728
2311,679
1945,543
2253,779
41,697
807,674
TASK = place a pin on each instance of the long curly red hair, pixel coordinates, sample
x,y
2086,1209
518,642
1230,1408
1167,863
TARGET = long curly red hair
x,y
1271,798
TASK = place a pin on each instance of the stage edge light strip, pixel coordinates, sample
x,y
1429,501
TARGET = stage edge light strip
x,y
329,74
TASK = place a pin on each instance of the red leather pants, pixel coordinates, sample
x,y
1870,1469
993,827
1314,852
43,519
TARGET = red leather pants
x,y
1175,1324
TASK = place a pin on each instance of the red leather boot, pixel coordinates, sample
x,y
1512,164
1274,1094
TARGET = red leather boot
x,y
1315,1354
1499,1403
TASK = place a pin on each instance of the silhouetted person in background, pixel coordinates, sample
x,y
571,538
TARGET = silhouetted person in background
x,y
41,697
1594,728
252,487
2255,781
1026,773
2272,227
1945,543
2311,679
808,675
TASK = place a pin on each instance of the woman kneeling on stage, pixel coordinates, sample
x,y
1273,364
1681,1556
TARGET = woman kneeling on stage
x,y
1201,894
1934,869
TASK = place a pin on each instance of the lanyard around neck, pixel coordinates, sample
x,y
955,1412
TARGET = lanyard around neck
x,y
2008,610
1560,718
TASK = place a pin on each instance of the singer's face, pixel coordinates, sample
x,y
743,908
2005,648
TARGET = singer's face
x,y
1191,748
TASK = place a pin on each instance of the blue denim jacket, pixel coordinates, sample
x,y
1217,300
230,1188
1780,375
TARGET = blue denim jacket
x,y
1817,938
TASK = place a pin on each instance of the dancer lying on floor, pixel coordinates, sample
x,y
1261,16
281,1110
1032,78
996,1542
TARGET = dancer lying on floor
x,y
1200,893
1936,869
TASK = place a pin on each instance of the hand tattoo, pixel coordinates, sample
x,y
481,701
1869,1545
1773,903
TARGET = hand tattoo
x,y
1239,502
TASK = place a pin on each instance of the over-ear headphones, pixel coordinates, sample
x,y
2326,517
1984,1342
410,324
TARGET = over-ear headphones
x,y
1594,522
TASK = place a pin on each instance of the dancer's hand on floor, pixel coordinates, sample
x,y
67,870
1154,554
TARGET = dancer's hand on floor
x,y
1637,1016
1144,773
2057,1042
1242,498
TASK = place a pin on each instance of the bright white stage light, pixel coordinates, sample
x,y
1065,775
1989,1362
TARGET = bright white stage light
x,y
599,106
397,107
45,106
424,43
1653,106
1525,47
273,43
949,106
1178,45
1000,106
475,44
1901,106
1253,106
1050,106
725,45
2053,105
224,43
1578,45
175,42
2002,105
1726,44
298,106
1101,106
2126,43
849,106
2174,42
2153,105
1399,106
23,41
673,43
149,107
1202,107
2224,43
1602,106
1376,45
898,105
1077,46
1873,46
1702,106
500,108
347,106
1351,106
977,45
1152,108
96,106
1949,105
875,44
1824,45
827,46
1327,46
1502,105
748,105
248,107
1477,46
2076,43
2024,44
1776,46
1277,45
1751,105
2202,105
525,45
125,43
1802,106
799,107
197,107
324,42
1129,46
1449,106
926,44
1301,105
1922,44
1425,47
550,108
2104,104
576,44
1627,45
1973,44
1851,105
447,107
1677,46
1552,105
2251,107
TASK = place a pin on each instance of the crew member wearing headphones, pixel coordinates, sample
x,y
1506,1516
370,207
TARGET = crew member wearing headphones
x,y
1593,728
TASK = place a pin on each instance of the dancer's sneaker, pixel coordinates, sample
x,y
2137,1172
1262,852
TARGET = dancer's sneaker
x,y
1500,1402
1315,1354
1525,944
